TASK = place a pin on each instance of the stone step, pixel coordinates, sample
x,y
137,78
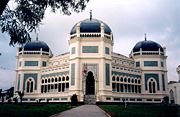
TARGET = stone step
x,y
89,99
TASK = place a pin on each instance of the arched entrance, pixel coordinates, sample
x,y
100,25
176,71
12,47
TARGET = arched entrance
x,y
90,84
171,96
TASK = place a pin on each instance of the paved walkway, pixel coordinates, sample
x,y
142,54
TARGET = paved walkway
x,y
83,111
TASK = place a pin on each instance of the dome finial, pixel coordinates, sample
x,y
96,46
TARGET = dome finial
x,y
37,37
145,36
90,14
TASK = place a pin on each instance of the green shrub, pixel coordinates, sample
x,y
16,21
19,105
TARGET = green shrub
x,y
166,100
74,100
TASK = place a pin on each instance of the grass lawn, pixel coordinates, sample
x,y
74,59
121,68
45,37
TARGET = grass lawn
x,y
31,110
142,110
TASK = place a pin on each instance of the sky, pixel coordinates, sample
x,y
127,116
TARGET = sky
x,y
128,20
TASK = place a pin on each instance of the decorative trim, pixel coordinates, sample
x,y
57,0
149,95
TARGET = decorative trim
x,y
55,74
125,74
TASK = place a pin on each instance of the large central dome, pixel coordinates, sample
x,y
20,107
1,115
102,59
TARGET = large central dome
x,y
91,26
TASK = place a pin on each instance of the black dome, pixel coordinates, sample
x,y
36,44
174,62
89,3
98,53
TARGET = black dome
x,y
36,45
91,26
147,45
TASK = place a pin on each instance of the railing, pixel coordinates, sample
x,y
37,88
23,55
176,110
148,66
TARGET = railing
x,y
33,52
148,53
91,35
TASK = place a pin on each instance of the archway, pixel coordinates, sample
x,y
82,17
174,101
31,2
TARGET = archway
x,y
90,84
171,96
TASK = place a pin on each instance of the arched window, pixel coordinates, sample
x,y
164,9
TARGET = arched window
x,y
63,79
59,79
128,80
52,80
121,79
152,86
171,96
117,78
125,80
42,80
113,78
55,79
139,81
132,81
27,90
67,78
29,86
135,80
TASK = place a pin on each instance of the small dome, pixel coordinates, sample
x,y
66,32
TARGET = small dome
x,y
36,45
91,26
147,45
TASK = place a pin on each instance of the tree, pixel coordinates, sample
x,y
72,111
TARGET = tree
x,y
21,94
9,93
3,5
28,14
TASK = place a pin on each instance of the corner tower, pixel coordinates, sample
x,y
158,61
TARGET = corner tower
x,y
31,58
90,43
151,58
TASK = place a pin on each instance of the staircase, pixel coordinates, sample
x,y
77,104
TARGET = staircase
x,y
90,99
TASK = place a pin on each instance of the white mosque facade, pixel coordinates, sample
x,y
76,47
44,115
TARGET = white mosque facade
x,y
92,68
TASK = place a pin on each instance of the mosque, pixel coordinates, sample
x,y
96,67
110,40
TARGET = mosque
x,y
91,69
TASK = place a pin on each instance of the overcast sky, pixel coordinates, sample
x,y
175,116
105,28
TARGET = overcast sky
x,y
128,20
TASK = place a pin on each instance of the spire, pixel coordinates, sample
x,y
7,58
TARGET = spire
x,y
37,37
145,36
90,14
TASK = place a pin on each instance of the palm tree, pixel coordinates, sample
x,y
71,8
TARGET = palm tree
x,y
9,93
21,94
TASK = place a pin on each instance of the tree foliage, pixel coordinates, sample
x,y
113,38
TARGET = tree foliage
x,y
6,94
28,14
